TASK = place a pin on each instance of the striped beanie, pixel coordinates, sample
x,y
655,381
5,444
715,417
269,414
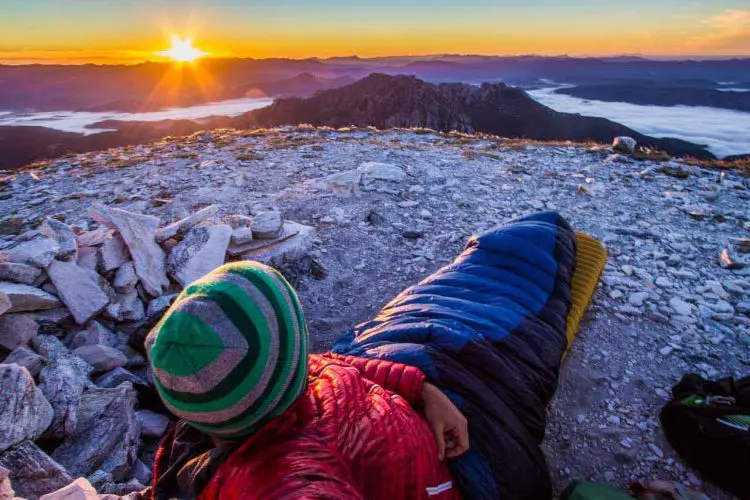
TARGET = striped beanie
x,y
231,352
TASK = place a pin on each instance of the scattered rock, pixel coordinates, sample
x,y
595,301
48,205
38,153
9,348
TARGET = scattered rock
x,y
39,251
80,489
65,237
24,411
89,258
342,184
680,306
125,279
637,299
19,273
34,473
184,225
203,250
93,238
114,253
27,298
624,144
106,437
153,424
286,249
267,225
94,334
375,171
17,330
103,358
62,381
6,489
5,303
242,235
138,233
119,376
79,289
25,357
160,304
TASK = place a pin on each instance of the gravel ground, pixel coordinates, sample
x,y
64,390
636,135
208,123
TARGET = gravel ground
x,y
665,306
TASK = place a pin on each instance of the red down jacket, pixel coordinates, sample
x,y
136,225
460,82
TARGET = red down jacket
x,y
354,434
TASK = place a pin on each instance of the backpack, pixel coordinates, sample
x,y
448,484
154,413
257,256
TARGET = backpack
x,y
708,425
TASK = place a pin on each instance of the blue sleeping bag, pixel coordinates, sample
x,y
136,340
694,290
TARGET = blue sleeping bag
x,y
490,331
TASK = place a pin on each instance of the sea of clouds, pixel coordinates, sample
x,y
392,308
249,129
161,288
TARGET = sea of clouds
x,y
724,131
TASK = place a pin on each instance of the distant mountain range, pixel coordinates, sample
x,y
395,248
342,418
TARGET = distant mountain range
x,y
378,100
152,86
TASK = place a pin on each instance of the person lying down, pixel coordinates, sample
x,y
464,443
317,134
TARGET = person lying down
x,y
441,396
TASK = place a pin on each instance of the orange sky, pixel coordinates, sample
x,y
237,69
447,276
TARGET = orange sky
x,y
129,31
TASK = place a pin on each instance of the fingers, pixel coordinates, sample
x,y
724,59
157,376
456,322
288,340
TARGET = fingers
x,y
459,437
440,439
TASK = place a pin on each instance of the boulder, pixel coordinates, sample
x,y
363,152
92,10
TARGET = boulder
x,y
267,225
376,171
114,253
19,273
34,473
125,279
107,435
103,358
27,298
624,144
23,356
153,425
285,250
89,258
5,303
80,489
17,330
24,411
79,289
38,251
62,381
201,251
184,225
65,237
138,233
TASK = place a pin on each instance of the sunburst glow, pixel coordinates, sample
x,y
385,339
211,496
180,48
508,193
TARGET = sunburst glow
x,y
182,50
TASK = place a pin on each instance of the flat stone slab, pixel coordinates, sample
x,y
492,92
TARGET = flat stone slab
x,y
17,330
289,230
376,171
28,298
138,233
287,250
103,358
64,236
79,289
184,225
114,253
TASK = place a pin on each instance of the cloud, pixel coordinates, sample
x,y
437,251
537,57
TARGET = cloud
x,y
727,31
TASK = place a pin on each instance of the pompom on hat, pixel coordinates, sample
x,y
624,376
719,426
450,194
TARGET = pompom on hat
x,y
231,353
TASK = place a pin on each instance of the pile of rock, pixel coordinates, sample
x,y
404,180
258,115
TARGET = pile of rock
x,y
75,304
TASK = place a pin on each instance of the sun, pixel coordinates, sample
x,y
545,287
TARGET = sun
x,y
182,50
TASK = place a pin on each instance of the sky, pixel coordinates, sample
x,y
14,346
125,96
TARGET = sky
x,y
130,31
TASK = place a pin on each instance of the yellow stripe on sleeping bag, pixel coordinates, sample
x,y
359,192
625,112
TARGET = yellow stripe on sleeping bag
x,y
591,257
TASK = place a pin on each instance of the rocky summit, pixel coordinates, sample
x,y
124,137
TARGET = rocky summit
x,y
95,246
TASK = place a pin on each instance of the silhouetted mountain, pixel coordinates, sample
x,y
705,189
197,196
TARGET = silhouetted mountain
x,y
152,86
648,94
402,101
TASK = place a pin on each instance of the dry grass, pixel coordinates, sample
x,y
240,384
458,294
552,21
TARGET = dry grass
x,y
249,156
185,155
742,165
648,154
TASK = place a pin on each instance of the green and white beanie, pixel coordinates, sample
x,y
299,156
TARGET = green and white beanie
x,y
231,352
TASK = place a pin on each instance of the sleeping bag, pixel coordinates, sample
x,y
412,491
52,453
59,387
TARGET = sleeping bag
x,y
490,330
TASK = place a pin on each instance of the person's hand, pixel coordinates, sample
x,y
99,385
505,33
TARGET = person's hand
x,y
447,422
